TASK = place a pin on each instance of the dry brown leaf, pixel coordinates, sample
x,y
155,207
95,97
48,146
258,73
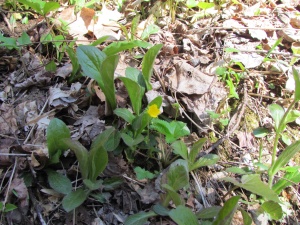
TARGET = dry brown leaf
x,y
87,15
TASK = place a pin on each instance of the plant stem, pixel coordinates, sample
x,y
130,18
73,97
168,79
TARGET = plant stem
x,y
277,136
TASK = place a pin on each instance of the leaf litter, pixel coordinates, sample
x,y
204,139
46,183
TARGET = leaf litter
x,y
185,73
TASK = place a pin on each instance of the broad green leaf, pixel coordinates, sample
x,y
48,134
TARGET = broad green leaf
x,y
178,174
260,132
157,101
147,64
284,158
47,37
150,29
206,5
139,218
58,40
91,58
92,185
273,209
290,177
113,141
297,83
24,39
135,75
75,63
9,207
209,213
140,122
9,43
143,174
81,155
161,126
226,213
197,146
107,71
50,6
183,216
130,141
161,210
206,160
292,116
56,131
171,195
74,199
277,113
59,182
179,148
286,139
35,5
246,218
238,170
98,157
254,184
125,114
51,66
136,93
99,40
178,129
120,46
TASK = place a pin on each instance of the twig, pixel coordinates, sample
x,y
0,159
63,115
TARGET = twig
x,y
37,207
200,190
7,22
9,182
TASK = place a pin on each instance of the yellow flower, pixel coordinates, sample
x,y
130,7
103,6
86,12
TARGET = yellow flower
x,y
153,111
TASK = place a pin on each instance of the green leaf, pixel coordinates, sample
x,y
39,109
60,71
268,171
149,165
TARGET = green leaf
x,y
24,39
284,158
140,122
260,132
150,29
237,170
206,160
179,148
147,64
206,5
113,141
290,177
277,113
136,93
51,66
56,131
120,46
178,175
139,218
178,129
161,210
292,116
135,75
50,6
143,174
59,182
74,199
253,184
130,141
273,209
92,185
90,58
9,43
58,40
81,155
183,216
197,146
161,126
107,71
9,207
172,195
125,114
246,218
208,213
134,24
297,84
226,213
98,157
99,40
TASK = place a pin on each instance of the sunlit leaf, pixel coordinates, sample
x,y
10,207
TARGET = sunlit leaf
x,y
273,209
226,213
74,199
277,113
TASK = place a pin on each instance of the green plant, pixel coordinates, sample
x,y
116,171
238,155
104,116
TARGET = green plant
x,y
7,207
251,179
41,7
91,164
